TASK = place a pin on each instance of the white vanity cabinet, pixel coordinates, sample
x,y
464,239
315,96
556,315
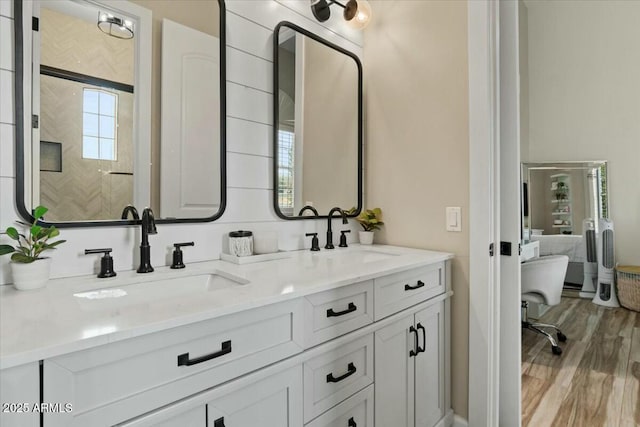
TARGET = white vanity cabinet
x,y
275,401
356,411
271,400
336,374
115,382
402,290
374,351
336,312
410,369
172,416
19,392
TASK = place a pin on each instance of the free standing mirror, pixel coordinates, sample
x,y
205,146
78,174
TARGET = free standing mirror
x,y
120,103
559,196
317,124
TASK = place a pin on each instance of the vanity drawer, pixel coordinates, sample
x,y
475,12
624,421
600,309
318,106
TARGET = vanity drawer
x,y
338,311
398,291
357,411
337,374
115,382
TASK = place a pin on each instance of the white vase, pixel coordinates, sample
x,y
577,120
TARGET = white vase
x,y
33,275
366,237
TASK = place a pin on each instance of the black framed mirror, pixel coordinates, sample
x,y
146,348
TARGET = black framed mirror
x,y
134,93
317,124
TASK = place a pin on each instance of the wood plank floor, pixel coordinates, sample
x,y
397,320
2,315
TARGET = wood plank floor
x,y
596,380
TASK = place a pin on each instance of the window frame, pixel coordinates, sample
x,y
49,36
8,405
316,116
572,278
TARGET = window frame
x,y
116,99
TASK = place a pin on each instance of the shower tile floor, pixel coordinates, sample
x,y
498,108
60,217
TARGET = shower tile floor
x,y
596,380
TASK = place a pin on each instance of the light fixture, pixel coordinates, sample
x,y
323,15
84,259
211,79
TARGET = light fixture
x,y
357,13
114,26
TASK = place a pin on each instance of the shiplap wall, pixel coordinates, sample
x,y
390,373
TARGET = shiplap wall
x,y
250,25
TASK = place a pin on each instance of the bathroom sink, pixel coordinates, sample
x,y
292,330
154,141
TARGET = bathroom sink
x,y
197,283
135,292
357,255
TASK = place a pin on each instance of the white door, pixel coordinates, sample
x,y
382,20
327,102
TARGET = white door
x,y
430,368
273,402
190,137
394,368
510,215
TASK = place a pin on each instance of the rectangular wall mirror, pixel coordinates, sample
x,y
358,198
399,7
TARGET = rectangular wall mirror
x,y
132,94
559,196
317,124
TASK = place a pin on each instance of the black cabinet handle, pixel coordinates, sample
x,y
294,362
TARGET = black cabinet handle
x,y
183,359
424,339
219,422
413,353
350,309
352,423
418,285
351,370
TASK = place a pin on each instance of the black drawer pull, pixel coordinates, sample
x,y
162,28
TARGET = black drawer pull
x,y
352,423
415,352
351,370
350,309
424,339
183,359
417,286
219,422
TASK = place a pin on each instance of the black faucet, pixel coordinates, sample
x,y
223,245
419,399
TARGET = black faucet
x,y
308,208
148,227
329,244
130,209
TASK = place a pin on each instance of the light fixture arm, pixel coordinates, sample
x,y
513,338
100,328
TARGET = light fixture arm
x,y
330,2
321,9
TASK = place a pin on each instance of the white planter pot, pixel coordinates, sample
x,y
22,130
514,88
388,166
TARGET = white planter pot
x,y
366,237
30,276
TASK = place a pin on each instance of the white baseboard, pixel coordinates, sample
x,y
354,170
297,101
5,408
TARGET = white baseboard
x,y
458,421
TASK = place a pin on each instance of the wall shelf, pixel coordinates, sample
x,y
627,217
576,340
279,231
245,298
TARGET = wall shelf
x,y
561,199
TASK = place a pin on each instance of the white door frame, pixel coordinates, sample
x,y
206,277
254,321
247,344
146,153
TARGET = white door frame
x,y
494,317
484,170
510,215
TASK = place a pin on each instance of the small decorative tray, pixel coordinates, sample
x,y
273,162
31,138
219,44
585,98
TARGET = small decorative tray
x,y
255,258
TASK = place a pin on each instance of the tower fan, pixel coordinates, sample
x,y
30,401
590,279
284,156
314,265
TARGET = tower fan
x,y
590,259
606,291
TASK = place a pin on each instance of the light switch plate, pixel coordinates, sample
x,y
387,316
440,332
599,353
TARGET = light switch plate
x,y
454,218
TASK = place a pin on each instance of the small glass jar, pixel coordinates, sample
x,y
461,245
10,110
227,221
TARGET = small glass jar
x,y
241,243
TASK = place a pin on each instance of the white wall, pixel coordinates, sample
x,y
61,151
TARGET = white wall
x,y
250,27
416,123
584,98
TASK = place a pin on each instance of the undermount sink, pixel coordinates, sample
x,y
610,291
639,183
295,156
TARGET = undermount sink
x,y
362,255
136,291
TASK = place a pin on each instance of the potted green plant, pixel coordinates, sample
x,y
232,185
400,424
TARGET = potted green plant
x,y
30,270
370,220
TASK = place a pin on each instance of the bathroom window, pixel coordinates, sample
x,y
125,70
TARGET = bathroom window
x,y
285,170
99,118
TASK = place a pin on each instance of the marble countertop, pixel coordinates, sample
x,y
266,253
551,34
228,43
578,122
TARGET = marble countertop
x,y
77,313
